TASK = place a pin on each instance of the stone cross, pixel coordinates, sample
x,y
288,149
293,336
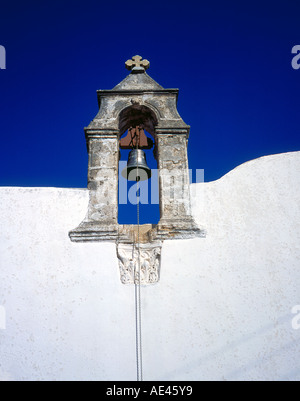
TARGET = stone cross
x,y
137,64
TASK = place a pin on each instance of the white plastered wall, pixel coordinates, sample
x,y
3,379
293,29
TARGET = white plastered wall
x,y
222,308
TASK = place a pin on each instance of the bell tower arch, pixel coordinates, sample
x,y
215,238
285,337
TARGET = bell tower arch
x,y
138,101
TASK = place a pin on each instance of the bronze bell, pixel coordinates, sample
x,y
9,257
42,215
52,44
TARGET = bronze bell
x,y
137,168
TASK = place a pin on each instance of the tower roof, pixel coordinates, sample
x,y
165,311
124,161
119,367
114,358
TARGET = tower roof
x,y
138,80
138,92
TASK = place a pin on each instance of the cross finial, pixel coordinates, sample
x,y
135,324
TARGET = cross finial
x,y
137,64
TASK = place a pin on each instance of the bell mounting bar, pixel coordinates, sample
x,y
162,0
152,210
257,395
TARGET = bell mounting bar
x,y
136,137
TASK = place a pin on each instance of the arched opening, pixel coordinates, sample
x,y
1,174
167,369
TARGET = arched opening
x,y
139,119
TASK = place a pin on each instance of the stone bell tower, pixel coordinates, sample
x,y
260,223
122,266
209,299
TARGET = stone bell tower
x,y
137,100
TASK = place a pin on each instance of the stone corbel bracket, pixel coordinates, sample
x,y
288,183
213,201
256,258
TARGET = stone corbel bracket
x,y
149,256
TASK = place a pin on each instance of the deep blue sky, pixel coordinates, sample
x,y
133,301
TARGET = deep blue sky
x,y
231,61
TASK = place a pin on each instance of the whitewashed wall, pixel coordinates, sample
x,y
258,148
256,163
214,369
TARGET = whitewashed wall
x,y
222,309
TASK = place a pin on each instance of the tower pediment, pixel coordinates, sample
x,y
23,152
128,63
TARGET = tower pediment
x,y
138,81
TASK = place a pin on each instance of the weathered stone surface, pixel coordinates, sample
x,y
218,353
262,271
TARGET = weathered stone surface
x,y
138,82
149,256
176,219
101,222
137,100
